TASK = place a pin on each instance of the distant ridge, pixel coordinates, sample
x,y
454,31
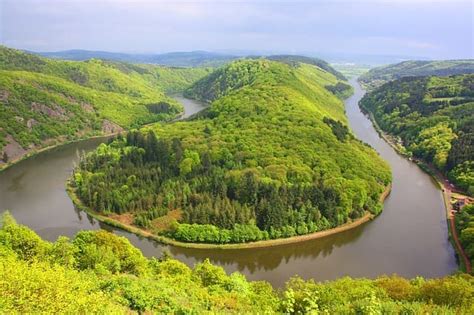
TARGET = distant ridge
x,y
411,68
197,58
175,59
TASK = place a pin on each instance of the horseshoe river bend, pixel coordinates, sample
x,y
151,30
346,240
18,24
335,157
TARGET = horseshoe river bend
x,y
409,238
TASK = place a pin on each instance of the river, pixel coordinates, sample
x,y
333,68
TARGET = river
x,y
409,238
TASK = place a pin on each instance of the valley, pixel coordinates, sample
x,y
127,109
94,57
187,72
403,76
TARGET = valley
x,y
49,102
237,157
34,192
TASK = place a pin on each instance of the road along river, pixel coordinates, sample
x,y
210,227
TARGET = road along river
x,y
409,238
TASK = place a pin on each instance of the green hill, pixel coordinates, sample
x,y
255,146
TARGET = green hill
x,y
465,228
377,76
233,77
296,60
434,120
271,157
45,101
99,272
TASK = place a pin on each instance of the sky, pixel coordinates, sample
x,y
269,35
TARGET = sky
x,y
442,29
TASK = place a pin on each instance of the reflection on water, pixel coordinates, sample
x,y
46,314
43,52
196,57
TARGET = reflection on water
x,y
16,183
267,259
409,237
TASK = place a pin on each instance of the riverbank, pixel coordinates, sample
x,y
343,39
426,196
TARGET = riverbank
x,y
33,153
443,184
34,191
60,143
259,244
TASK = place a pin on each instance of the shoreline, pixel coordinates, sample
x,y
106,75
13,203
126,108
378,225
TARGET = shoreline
x,y
60,144
51,147
464,263
258,244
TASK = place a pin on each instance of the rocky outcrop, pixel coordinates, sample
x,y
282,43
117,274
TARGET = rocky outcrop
x,y
12,150
87,107
109,127
55,111
31,122
19,119
4,95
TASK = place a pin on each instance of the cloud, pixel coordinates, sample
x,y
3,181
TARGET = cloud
x,y
411,27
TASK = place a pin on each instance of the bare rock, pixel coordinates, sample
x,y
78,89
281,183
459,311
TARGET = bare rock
x,y
109,127
31,122
4,95
12,149
56,112
87,107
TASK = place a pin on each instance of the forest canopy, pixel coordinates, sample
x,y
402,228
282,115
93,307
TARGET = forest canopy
x,y
271,157
44,101
415,68
99,272
434,119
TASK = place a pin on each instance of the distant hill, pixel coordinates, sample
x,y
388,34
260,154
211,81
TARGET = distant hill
x,y
378,76
294,59
185,59
226,76
173,59
45,101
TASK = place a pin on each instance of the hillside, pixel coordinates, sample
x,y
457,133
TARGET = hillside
x,y
433,117
378,76
45,101
226,79
271,157
99,272
184,59
465,228
295,60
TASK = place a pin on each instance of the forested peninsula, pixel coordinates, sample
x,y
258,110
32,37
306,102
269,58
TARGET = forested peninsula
x,y
271,157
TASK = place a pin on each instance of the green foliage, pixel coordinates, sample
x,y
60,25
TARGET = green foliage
x,y
43,100
53,283
338,129
434,119
378,76
271,157
26,244
104,251
39,287
386,295
341,90
295,60
465,227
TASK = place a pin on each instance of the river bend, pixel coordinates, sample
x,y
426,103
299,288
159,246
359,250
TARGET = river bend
x,y
409,238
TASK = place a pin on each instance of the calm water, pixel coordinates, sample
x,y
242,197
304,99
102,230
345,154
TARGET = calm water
x,y
409,238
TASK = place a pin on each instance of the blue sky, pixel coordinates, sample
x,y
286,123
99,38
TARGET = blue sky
x,y
434,29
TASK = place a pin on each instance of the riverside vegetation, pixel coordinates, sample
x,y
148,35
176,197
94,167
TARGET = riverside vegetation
x,y
434,119
271,157
99,272
44,101
465,228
